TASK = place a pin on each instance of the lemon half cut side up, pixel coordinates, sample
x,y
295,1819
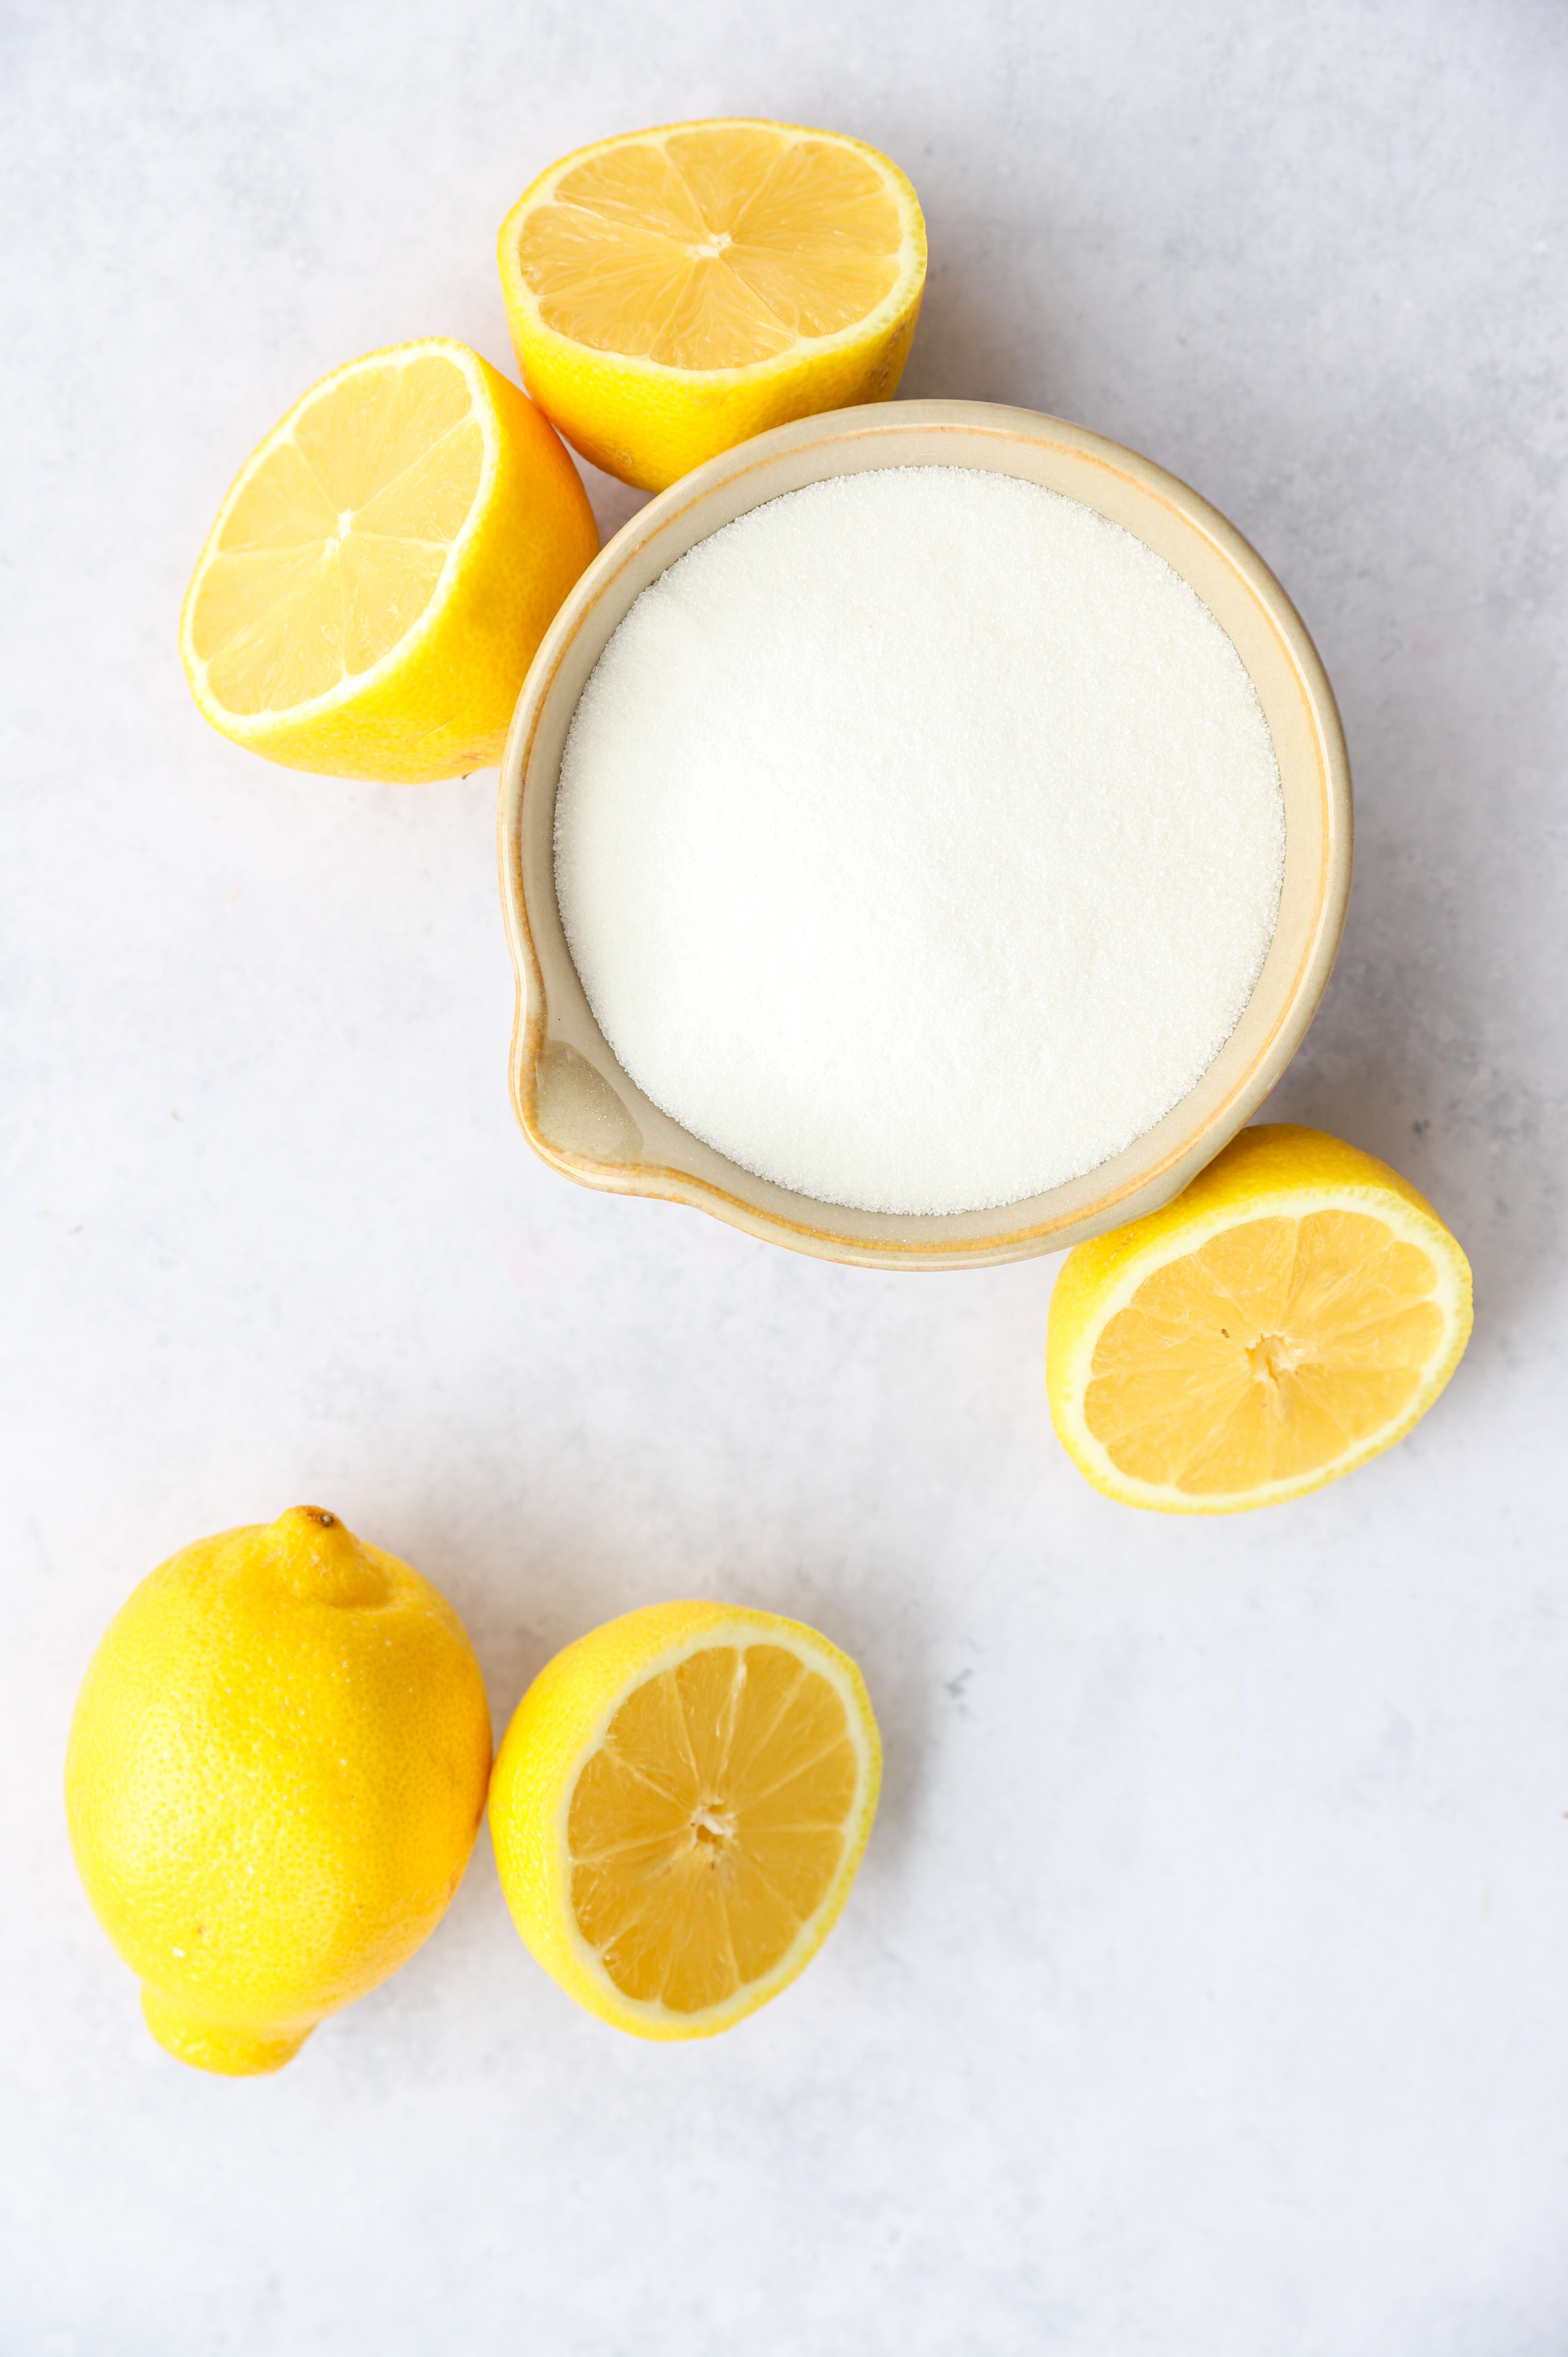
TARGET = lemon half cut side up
x,y
383,568
1292,1313
679,1808
671,293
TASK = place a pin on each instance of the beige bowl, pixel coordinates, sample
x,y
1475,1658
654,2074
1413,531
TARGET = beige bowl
x,y
575,1103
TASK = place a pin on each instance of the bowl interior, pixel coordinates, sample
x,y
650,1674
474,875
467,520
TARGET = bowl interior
x,y
583,1113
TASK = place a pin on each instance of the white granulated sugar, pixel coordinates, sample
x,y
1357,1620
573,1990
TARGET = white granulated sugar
x,y
920,840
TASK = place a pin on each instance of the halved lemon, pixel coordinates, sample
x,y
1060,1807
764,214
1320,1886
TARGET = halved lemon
x,y
678,1809
383,568
1294,1311
673,292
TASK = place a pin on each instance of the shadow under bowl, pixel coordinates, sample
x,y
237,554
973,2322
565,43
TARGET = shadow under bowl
x,y
579,1109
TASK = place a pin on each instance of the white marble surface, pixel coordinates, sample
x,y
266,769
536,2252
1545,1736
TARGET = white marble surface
x,y
1205,1993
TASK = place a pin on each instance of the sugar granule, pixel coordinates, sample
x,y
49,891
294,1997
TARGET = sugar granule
x,y
920,840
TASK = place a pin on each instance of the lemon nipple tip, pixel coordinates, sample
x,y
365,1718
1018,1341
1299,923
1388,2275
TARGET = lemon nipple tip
x,y
322,1561
233,2051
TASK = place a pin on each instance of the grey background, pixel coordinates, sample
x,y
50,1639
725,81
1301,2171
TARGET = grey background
x,y
1203,1992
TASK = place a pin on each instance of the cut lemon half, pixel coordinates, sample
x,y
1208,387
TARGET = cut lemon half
x,y
1294,1311
678,1809
385,564
673,292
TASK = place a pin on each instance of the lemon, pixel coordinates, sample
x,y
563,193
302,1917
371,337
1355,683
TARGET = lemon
x,y
1295,1310
673,292
679,1807
384,566
276,1769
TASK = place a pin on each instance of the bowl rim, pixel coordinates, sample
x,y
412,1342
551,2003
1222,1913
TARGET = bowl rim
x,y
556,1043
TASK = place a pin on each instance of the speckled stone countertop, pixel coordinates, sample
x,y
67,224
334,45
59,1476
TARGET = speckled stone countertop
x,y
1205,1992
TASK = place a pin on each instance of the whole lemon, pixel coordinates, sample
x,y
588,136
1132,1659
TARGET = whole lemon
x,y
276,1769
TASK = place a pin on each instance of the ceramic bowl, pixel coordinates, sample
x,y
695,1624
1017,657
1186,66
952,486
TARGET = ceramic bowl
x,y
579,1109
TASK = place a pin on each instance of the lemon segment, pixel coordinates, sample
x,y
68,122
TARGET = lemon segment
x,y
1292,1313
672,291
276,1769
383,568
679,1808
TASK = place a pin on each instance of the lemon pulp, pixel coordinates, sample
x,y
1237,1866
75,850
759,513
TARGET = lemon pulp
x,y
717,246
335,547
708,1827
1273,1349
1294,1311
